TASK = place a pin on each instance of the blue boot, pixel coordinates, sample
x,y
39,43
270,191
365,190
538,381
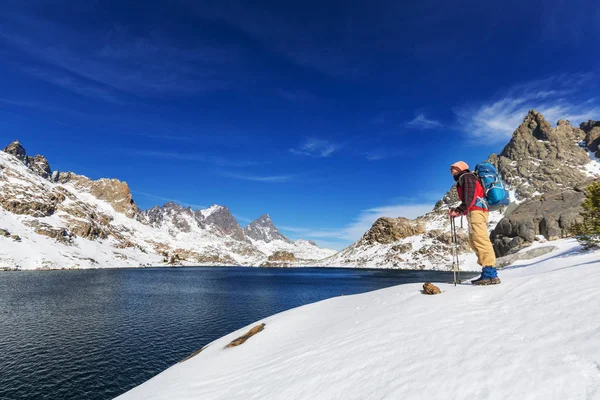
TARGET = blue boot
x,y
489,276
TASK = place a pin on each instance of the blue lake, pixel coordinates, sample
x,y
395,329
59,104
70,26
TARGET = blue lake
x,y
94,334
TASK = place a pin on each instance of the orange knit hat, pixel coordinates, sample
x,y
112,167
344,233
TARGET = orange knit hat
x,y
460,165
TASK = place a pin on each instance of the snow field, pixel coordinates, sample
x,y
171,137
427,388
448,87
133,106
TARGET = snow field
x,y
535,336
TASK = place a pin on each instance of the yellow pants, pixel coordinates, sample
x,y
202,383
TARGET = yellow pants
x,y
479,238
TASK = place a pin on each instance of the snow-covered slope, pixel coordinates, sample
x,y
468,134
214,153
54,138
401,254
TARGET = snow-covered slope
x,y
64,220
535,336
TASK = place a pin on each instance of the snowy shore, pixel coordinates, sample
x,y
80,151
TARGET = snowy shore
x,y
535,336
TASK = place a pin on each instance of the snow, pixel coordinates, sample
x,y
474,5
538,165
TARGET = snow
x,y
210,211
592,168
535,336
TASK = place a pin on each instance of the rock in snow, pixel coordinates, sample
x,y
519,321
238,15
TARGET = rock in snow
x,y
535,336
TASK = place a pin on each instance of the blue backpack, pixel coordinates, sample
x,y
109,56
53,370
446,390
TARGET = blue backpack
x,y
496,194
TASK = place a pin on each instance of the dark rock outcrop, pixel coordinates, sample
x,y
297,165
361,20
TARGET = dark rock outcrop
x,y
17,150
551,215
38,164
592,135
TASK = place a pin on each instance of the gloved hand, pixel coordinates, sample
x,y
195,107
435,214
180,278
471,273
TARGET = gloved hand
x,y
453,213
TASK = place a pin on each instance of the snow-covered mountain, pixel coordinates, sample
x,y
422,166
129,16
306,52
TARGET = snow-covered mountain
x,y
263,234
546,168
52,219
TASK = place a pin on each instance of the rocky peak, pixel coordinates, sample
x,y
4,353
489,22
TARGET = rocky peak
x,y
40,166
264,230
37,164
219,219
170,213
17,150
540,158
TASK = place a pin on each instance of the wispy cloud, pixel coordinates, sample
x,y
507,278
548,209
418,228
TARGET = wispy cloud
x,y
362,223
383,154
197,157
559,97
76,85
316,148
422,122
168,199
259,178
96,63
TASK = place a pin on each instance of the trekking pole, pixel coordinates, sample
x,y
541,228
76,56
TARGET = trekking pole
x,y
457,249
455,259
453,249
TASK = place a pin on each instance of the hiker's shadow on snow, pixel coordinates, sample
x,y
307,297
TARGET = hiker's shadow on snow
x,y
563,254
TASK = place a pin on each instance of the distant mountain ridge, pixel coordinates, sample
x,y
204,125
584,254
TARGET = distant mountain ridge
x,y
70,221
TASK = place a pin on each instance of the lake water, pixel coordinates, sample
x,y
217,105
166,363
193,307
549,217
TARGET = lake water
x,y
94,334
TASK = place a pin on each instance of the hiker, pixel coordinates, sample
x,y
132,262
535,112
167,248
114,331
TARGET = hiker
x,y
472,194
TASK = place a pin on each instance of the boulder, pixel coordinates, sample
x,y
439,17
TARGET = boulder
x,y
551,215
430,288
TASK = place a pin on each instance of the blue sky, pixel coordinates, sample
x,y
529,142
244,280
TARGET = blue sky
x,y
323,114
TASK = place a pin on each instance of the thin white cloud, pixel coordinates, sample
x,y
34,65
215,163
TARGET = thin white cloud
x,y
98,65
382,154
422,122
316,148
198,157
362,223
560,97
259,178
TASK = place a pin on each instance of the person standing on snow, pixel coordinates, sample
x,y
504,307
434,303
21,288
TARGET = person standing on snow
x,y
472,194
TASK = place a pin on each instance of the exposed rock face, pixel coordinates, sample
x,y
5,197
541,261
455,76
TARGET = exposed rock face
x,y
282,256
17,150
220,219
38,164
113,191
181,218
387,230
430,288
540,158
592,136
263,230
551,215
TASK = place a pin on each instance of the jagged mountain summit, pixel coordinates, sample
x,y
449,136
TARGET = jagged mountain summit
x,y
53,219
547,169
263,229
